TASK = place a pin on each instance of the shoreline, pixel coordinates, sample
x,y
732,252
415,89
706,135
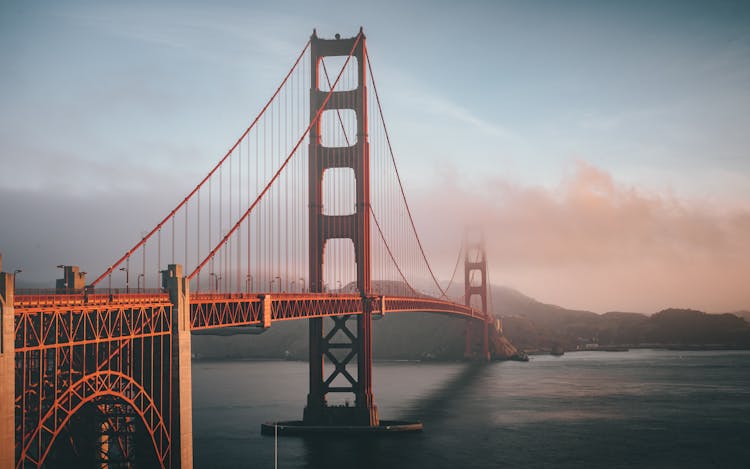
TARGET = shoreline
x,y
611,349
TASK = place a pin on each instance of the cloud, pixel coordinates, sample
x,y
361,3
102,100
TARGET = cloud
x,y
594,243
231,31
591,242
42,229
442,107
61,171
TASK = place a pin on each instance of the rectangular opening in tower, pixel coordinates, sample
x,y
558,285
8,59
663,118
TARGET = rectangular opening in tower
x,y
329,69
339,266
475,278
339,192
338,128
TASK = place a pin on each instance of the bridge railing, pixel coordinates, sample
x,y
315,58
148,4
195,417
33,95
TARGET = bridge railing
x,y
419,304
216,310
71,300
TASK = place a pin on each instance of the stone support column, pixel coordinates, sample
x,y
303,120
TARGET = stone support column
x,y
7,371
182,382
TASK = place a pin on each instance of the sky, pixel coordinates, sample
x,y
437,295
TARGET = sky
x,y
603,145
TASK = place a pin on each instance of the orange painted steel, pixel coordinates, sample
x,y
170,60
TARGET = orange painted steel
x,y
74,350
118,351
203,181
96,385
212,310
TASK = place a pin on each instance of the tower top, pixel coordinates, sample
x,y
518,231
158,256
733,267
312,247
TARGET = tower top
x,y
336,36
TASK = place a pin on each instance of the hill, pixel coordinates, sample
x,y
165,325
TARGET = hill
x,y
742,314
400,336
528,324
531,325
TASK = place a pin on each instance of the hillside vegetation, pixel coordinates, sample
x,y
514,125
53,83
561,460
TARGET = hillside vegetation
x,y
529,324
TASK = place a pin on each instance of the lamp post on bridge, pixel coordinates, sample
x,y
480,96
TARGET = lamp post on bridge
x,y
249,283
127,278
292,285
279,278
302,280
138,282
217,278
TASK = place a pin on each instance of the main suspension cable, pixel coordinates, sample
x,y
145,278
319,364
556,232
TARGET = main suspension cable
x,y
211,173
281,168
400,184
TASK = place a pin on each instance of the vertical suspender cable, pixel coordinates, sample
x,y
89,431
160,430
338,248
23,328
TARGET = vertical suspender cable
x,y
200,184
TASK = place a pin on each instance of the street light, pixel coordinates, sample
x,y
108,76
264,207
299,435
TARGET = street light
x,y
249,283
279,282
16,272
339,282
303,284
127,278
138,281
292,284
217,278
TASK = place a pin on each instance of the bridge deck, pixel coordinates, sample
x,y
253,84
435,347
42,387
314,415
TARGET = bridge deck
x,y
207,310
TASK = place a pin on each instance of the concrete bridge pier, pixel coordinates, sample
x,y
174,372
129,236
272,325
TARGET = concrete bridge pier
x,y
181,386
7,371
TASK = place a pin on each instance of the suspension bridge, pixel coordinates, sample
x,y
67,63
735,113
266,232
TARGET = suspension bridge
x,y
304,217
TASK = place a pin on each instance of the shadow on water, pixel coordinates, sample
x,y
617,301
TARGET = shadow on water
x,y
435,405
343,452
395,449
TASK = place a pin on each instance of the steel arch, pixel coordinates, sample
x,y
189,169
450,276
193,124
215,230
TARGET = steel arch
x,y
100,383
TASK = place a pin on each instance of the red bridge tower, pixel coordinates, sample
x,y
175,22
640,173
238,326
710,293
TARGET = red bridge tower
x,y
356,344
475,270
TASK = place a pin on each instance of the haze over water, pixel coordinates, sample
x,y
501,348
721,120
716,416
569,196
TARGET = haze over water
x,y
642,408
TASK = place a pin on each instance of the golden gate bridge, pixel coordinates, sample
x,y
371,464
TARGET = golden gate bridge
x,y
305,217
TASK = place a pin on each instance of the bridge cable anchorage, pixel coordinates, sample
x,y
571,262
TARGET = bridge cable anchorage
x,y
281,168
208,176
400,184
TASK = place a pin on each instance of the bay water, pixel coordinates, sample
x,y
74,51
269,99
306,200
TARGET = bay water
x,y
641,408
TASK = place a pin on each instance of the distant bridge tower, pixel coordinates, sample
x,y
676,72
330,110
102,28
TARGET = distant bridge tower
x,y
356,227
475,270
